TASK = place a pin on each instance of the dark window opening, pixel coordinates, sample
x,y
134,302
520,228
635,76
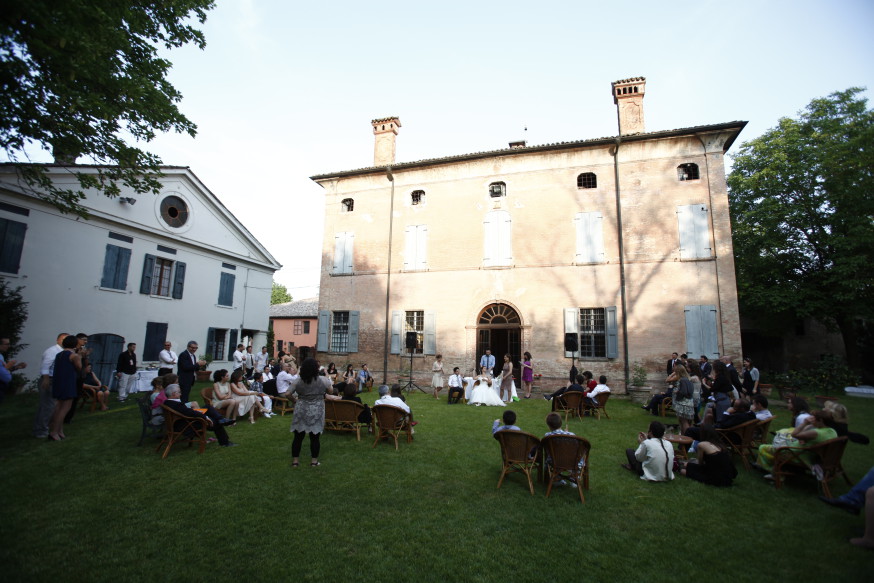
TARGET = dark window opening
x,y
347,205
417,196
687,172
497,189
587,180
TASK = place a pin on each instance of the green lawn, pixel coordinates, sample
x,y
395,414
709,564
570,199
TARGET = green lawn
x,y
96,507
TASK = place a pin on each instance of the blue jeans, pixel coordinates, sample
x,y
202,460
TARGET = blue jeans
x,y
856,495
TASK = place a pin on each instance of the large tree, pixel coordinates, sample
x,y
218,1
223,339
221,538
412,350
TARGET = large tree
x,y
279,294
83,78
802,205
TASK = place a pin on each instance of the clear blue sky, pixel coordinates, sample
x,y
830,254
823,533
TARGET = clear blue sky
x,y
286,89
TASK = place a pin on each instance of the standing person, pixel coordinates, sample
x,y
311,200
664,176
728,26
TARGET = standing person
x,y
309,412
126,370
249,362
238,357
527,373
507,379
187,367
684,404
487,363
81,341
6,368
705,366
675,359
654,458
456,387
167,358
68,365
261,359
737,385
363,377
751,378
437,377
46,402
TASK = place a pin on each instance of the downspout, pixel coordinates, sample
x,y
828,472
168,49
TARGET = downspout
x,y
624,317
391,213
245,297
713,231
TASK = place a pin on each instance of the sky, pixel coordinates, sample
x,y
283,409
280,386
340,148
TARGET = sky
x,y
286,89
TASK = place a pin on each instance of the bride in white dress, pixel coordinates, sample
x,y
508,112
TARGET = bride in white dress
x,y
483,393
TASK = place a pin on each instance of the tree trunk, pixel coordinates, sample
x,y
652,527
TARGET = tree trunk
x,y
847,326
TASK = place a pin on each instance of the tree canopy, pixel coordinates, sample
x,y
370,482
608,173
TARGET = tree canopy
x,y
279,294
802,205
83,78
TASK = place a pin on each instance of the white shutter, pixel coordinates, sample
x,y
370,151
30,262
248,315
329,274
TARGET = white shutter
x,y
410,247
571,326
422,247
590,237
505,239
694,232
347,253
489,237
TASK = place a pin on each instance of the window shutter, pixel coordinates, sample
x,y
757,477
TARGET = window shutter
x,y
148,274
110,267
179,281
612,332
701,331
505,240
422,247
489,256
339,248
124,255
232,344
395,332
580,228
156,333
410,247
590,237
694,232
571,326
353,332
12,239
210,342
226,289
429,340
347,253
323,331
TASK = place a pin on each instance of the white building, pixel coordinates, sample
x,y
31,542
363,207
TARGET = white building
x,y
143,268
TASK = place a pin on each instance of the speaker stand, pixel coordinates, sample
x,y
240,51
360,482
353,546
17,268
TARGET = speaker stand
x,y
410,384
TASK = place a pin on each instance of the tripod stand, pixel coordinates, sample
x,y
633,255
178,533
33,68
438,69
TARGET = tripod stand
x,y
410,384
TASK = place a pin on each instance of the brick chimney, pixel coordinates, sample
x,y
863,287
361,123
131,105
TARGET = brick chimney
x,y
628,97
385,130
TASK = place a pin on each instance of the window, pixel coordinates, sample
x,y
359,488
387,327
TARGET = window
x,y
417,197
115,267
416,248
497,247
343,245
587,180
596,331
337,331
423,323
590,238
415,322
216,341
12,237
162,277
347,205
301,327
701,331
694,232
687,172
278,346
497,189
174,211
226,289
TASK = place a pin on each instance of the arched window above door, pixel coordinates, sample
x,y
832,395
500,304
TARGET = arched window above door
x,y
499,314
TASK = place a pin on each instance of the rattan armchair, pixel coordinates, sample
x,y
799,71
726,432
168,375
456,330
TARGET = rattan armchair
x,y
567,458
600,405
390,422
738,439
178,428
826,464
343,416
571,402
517,448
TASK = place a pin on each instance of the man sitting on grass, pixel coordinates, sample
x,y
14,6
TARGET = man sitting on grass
x,y
214,421
509,423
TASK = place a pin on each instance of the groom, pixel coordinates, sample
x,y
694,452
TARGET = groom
x,y
487,363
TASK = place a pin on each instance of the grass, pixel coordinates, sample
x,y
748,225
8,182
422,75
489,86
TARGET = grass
x,y
97,508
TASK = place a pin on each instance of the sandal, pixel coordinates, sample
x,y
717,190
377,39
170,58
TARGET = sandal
x,y
295,464
314,464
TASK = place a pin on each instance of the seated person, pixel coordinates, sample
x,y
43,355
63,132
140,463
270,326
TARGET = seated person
x,y
654,458
258,387
386,399
397,392
101,391
813,430
456,387
222,395
854,500
215,422
601,387
157,398
737,414
509,418
656,400
715,466
364,377
760,407
577,386
589,380
349,394
553,421
283,382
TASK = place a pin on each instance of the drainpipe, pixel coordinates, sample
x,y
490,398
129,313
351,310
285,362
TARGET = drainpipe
x,y
391,212
621,253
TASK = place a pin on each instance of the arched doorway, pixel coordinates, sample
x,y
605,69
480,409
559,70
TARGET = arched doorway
x,y
499,328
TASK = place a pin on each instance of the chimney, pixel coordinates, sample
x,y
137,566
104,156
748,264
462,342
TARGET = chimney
x,y
385,130
628,97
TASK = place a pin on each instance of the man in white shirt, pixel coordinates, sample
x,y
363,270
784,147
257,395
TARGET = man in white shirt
x,y
654,458
249,362
261,359
760,408
238,357
284,380
601,387
386,399
456,386
46,402
168,360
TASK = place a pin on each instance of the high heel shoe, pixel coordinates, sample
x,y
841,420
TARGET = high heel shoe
x,y
50,438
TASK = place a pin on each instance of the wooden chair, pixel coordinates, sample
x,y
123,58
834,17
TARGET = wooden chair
x,y
88,395
390,422
571,402
666,406
283,404
738,439
343,416
563,454
516,448
178,428
760,436
145,405
596,409
826,466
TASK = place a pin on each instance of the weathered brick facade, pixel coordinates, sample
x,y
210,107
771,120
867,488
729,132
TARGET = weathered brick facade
x,y
545,240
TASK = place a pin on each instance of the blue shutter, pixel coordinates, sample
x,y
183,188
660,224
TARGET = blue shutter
x,y
353,332
210,342
232,344
322,332
612,332
148,273
156,334
12,239
694,232
124,255
701,331
110,266
179,281
429,341
396,321
226,289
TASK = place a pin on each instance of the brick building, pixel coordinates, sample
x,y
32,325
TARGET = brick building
x,y
622,244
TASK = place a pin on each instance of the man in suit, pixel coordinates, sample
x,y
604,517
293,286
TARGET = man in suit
x,y
675,359
214,421
187,369
732,374
487,363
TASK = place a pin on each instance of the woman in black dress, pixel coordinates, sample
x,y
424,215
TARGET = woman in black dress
x,y
68,365
714,466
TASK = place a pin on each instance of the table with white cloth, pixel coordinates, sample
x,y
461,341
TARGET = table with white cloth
x,y
142,380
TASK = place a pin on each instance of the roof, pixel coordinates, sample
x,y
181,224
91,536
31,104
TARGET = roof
x,y
308,308
737,126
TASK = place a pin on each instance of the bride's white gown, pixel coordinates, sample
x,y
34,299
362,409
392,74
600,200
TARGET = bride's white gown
x,y
483,394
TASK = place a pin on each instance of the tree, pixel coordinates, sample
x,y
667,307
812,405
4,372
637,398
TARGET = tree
x,y
82,78
13,315
802,205
279,294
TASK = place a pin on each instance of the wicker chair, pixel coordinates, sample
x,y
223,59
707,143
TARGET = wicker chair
x,y
178,428
571,402
563,455
89,396
828,454
343,416
145,405
390,422
666,406
739,439
596,409
760,436
516,449
206,395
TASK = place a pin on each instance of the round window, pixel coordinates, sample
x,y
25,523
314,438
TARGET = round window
x,y
174,211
